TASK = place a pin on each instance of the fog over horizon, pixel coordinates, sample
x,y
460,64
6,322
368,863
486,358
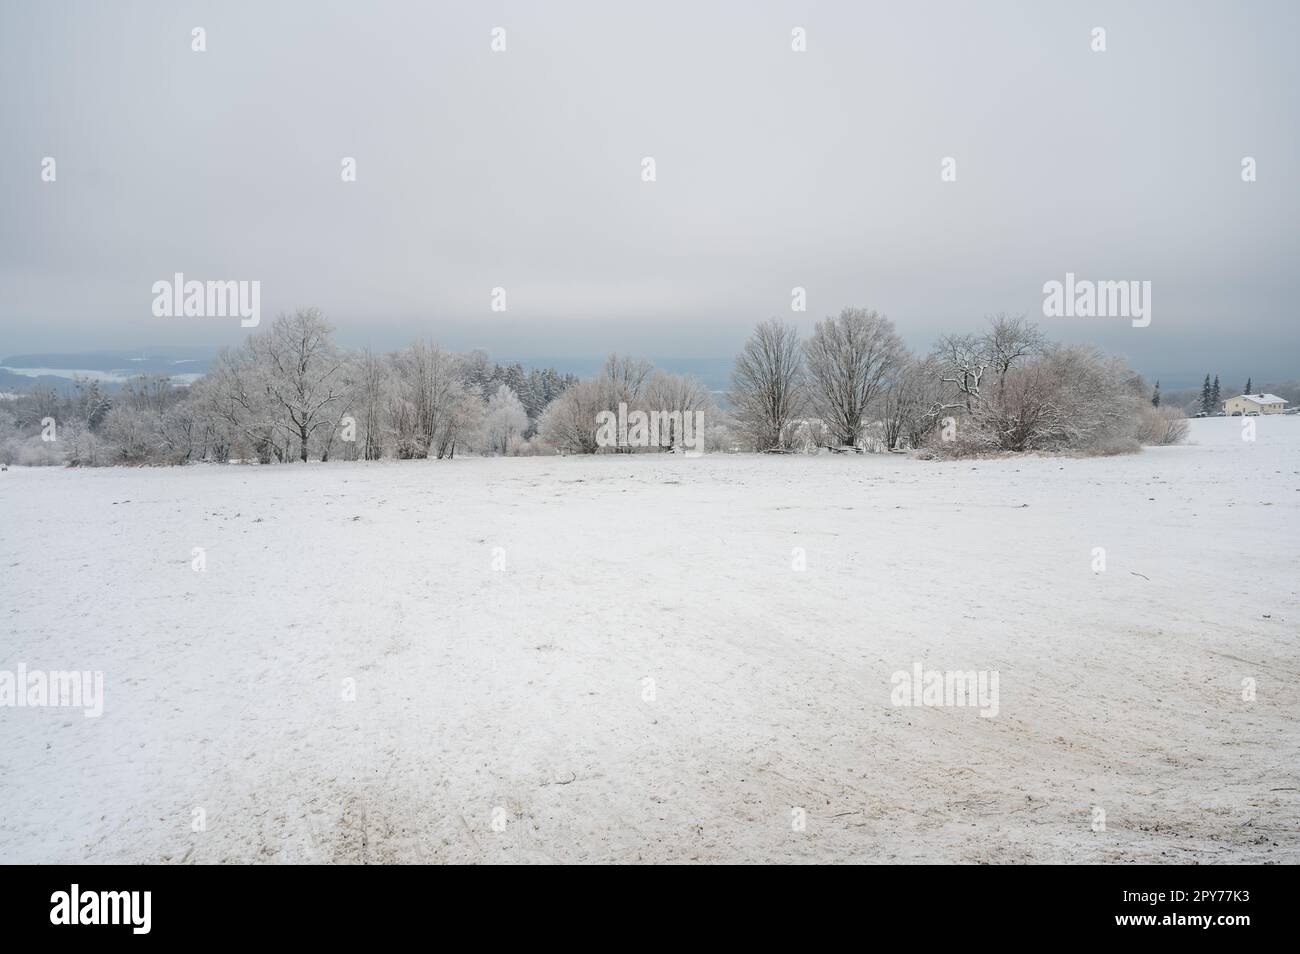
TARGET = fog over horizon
x,y
775,169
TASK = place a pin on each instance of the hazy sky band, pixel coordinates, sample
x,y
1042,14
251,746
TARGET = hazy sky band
x,y
774,169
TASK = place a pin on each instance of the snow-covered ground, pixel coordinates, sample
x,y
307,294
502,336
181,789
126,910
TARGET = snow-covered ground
x,y
523,696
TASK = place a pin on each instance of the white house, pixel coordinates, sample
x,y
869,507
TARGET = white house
x,y
1254,403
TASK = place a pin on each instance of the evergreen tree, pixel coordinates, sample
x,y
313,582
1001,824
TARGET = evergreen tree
x,y
512,376
1214,393
1206,392
1248,389
477,371
1155,396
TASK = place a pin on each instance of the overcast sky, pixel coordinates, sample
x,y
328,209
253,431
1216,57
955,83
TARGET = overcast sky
x,y
775,169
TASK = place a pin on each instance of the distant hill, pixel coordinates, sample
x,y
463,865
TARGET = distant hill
x,y
21,372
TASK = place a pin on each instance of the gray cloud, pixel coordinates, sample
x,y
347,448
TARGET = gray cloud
x,y
775,169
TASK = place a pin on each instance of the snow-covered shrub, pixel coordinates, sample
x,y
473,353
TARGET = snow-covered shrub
x,y
82,447
569,422
1161,425
11,437
34,452
132,434
536,446
1070,399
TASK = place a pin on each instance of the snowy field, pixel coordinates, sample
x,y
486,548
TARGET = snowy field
x,y
649,678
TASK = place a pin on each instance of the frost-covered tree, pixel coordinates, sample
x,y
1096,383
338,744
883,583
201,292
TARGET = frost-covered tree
x,y
962,362
1049,397
768,386
180,433
153,393
623,378
464,420
676,395
424,405
910,405
478,372
371,373
544,386
342,423
1008,341
90,405
504,421
237,401
1073,397
302,373
132,432
569,422
849,360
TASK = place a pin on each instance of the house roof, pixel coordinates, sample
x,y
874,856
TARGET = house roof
x,y
1261,398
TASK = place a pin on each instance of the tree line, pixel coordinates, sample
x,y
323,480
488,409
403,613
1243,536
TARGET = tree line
x,y
290,393
1208,398
854,383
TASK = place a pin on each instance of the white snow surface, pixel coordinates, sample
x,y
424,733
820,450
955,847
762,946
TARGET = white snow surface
x,y
520,694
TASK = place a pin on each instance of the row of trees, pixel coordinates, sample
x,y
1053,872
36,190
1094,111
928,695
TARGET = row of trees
x,y
1208,397
289,393
853,383
570,424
